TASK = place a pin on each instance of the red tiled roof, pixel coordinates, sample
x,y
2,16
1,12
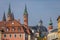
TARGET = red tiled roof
x,y
16,24
2,23
13,23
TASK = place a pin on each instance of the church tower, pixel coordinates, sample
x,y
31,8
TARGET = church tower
x,y
10,15
50,27
40,23
4,17
25,16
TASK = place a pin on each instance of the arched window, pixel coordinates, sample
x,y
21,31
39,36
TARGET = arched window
x,y
19,29
10,35
4,35
20,35
15,35
13,29
7,29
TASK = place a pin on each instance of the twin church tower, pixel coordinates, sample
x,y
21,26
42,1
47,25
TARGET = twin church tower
x,y
13,29
10,15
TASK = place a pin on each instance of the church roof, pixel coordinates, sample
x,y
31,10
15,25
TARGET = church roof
x,y
42,29
13,24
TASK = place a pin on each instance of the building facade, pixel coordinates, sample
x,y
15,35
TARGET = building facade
x,y
13,29
39,30
53,35
58,19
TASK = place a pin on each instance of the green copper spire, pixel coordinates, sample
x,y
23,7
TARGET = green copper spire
x,y
4,17
50,22
9,10
25,10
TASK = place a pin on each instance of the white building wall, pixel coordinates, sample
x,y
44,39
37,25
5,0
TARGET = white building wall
x,y
52,36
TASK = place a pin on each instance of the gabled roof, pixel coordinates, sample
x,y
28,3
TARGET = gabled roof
x,y
13,23
2,23
16,24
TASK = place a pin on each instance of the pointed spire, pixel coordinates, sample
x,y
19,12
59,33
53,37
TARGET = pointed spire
x,y
9,10
50,27
40,23
50,22
25,10
4,17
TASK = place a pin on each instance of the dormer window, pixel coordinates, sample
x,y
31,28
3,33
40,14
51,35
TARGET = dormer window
x,y
7,29
19,29
13,29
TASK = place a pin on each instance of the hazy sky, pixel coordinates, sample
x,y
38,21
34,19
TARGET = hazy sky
x,y
37,9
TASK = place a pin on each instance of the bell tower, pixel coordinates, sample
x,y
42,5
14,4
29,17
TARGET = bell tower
x,y
10,15
40,23
50,27
25,16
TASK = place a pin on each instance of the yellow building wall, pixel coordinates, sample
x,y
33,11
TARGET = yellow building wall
x,y
59,29
58,24
29,37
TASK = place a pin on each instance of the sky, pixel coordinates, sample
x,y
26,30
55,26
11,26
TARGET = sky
x,y
37,10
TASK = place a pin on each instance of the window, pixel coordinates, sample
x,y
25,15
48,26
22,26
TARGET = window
x,y
15,35
7,29
20,35
10,35
4,35
18,29
13,29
